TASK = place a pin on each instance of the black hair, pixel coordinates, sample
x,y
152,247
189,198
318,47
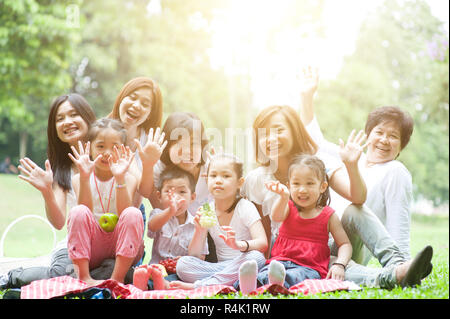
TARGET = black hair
x,y
173,172
182,120
392,113
104,123
238,168
316,164
57,150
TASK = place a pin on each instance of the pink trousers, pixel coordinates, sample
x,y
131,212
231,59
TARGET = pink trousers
x,y
87,240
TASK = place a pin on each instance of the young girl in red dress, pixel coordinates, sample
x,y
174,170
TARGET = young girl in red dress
x,y
301,249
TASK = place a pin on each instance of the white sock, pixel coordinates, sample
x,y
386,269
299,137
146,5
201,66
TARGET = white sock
x,y
247,276
277,273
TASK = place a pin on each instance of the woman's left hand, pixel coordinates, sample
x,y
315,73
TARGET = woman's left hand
x,y
309,81
352,150
151,152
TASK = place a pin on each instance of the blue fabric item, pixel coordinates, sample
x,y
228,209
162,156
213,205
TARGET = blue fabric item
x,y
91,293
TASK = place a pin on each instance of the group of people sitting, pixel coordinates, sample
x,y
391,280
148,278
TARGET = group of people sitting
x,y
311,209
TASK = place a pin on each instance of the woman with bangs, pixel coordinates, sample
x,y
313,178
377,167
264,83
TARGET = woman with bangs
x,y
69,120
139,106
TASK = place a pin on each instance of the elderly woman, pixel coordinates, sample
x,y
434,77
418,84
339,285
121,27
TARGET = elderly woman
x,y
384,219
388,181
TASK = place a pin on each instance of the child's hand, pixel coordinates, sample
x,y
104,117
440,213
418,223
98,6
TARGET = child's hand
x,y
35,175
351,152
151,152
82,159
336,272
278,188
230,237
120,160
197,217
175,202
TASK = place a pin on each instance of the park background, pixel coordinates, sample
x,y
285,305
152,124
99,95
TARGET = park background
x,y
225,60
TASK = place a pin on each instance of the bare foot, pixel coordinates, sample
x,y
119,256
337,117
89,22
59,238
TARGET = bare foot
x,y
159,283
140,277
181,285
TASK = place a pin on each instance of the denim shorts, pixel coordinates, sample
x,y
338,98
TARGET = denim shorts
x,y
294,274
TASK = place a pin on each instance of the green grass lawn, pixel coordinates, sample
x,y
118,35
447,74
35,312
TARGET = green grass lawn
x,y
31,238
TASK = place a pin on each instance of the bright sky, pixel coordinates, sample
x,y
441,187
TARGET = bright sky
x,y
240,44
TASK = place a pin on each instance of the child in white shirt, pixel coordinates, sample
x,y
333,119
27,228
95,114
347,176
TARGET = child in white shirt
x,y
171,228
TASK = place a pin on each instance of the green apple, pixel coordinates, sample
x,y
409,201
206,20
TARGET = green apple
x,y
108,222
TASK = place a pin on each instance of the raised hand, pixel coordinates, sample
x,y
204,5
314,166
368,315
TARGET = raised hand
x,y
210,154
82,159
352,150
175,202
151,152
120,160
36,176
278,188
309,81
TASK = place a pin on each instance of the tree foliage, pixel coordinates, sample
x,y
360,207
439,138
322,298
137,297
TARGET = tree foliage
x,y
169,46
50,47
35,53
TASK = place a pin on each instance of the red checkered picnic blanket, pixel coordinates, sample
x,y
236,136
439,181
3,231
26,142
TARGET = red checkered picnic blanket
x,y
61,286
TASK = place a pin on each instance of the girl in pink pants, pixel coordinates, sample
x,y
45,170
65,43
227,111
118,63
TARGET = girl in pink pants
x,y
104,188
87,240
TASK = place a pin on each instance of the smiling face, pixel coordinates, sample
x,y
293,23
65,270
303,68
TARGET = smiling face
x,y
70,126
385,143
305,187
103,144
186,153
275,138
136,107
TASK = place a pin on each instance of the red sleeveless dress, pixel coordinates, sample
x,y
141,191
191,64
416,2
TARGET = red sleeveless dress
x,y
304,241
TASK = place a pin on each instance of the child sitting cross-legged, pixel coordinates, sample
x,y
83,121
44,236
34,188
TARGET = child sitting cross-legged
x,y
171,228
301,249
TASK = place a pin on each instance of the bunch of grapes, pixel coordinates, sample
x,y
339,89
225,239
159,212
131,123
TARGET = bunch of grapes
x,y
208,218
170,265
